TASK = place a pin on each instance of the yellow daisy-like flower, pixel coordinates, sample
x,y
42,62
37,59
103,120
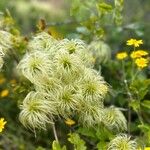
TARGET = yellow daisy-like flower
x,y
138,54
2,124
134,42
146,148
141,62
13,81
2,80
121,55
70,122
4,93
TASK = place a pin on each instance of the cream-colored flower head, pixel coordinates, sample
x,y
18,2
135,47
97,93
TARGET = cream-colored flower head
x,y
2,54
5,44
6,41
100,51
122,142
37,110
93,87
72,46
68,100
77,47
42,42
90,114
114,119
68,67
48,84
34,65
1,62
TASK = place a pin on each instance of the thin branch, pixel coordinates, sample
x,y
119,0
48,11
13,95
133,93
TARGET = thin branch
x,y
55,133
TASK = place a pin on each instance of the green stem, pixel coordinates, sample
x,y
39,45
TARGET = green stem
x,y
133,65
134,76
140,116
14,56
129,108
123,68
129,95
139,111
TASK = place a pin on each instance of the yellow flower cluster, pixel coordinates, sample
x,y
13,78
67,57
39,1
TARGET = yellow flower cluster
x,y
134,42
121,55
2,124
138,56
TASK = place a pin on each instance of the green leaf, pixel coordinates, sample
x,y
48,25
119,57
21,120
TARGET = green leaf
x,y
56,146
146,130
103,134
75,7
78,143
40,148
143,92
140,87
89,132
119,4
118,18
146,103
144,127
135,105
101,145
104,8
100,32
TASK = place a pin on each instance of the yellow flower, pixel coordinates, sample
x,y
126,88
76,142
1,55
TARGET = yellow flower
x,y
2,124
2,80
13,81
70,122
146,148
134,42
121,55
141,62
138,53
4,93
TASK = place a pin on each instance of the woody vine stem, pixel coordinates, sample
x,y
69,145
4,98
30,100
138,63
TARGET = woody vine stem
x,y
55,133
